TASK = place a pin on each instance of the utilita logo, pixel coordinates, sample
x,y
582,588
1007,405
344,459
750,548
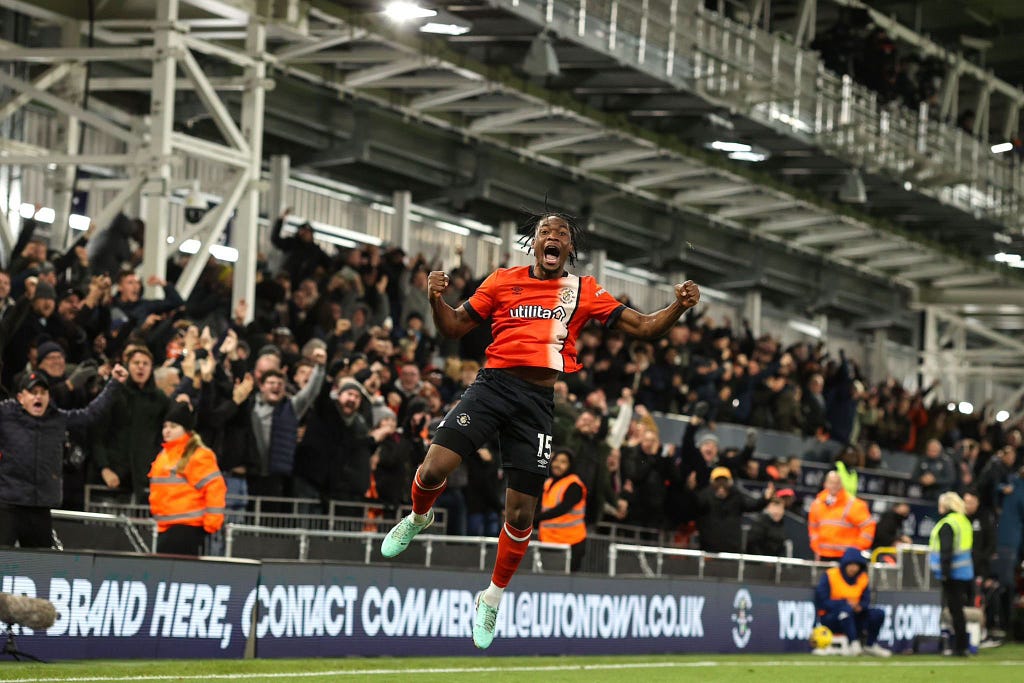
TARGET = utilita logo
x,y
537,312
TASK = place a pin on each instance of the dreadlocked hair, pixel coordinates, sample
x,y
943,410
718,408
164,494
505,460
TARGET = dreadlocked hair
x,y
194,444
528,231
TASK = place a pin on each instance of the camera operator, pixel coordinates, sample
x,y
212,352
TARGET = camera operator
x,y
32,432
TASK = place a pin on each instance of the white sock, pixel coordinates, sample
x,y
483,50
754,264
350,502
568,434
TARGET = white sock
x,y
419,519
492,595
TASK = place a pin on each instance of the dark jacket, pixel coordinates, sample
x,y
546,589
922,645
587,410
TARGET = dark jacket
x,y
129,438
111,247
767,537
1010,529
720,520
301,258
590,465
984,525
32,448
942,469
334,455
400,455
889,528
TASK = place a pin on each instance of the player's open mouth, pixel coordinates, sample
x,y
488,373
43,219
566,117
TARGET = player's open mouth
x,y
37,405
551,255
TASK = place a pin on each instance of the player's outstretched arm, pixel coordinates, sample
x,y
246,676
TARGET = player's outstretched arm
x,y
451,322
654,325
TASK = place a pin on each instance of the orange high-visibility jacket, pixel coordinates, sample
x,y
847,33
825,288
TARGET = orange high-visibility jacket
x,y
196,497
845,523
570,527
840,590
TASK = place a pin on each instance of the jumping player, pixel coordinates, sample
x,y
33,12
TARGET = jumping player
x,y
536,314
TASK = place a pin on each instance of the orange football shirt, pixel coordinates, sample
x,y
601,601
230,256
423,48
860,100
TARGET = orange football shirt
x,y
536,322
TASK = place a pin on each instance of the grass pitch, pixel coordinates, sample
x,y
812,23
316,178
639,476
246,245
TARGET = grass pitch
x,y
1001,664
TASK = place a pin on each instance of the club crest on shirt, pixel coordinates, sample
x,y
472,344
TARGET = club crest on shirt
x,y
565,295
462,419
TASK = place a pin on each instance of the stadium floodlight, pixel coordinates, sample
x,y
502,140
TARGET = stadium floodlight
x,y
852,191
723,146
1002,416
966,407
1001,147
541,60
402,11
951,407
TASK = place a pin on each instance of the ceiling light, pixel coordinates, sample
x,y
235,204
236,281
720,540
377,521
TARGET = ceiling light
x,y
224,253
1002,416
444,29
1010,259
730,146
400,11
966,407
951,407
747,156
77,221
190,246
1002,147
46,215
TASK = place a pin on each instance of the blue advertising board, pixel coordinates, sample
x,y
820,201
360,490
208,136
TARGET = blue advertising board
x,y
132,606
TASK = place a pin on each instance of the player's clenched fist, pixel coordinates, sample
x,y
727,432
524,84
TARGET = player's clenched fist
x,y
437,282
688,293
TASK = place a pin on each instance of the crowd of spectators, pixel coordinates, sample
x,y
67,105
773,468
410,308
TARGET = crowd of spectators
x,y
332,389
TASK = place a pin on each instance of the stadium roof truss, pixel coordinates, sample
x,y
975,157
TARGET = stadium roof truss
x,y
675,66
363,63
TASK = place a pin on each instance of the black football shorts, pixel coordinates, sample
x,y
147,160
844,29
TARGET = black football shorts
x,y
499,404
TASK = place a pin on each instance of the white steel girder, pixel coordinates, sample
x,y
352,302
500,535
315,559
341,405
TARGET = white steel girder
x,y
864,248
795,222
834,236
900,260
743,211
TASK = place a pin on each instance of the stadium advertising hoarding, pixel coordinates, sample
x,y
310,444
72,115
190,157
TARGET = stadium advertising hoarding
x,y
140,607
424,612
132,606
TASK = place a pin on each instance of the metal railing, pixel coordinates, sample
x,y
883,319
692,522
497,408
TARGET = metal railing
x,y
892,576
774,81
127,524
370,541
703,559
275,511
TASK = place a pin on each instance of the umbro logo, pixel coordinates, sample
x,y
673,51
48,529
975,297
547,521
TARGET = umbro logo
x,y
517,290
